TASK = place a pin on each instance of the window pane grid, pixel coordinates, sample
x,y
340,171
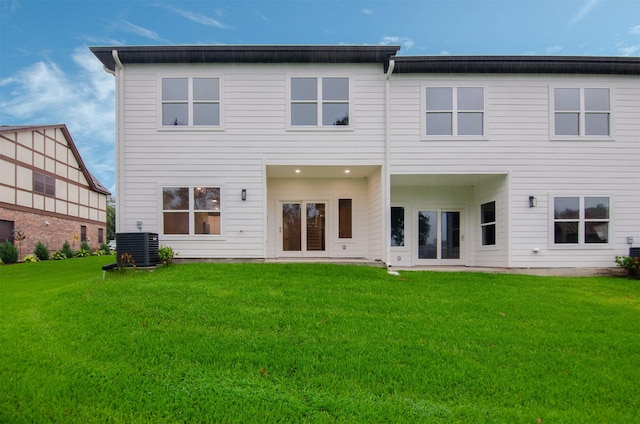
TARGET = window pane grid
x,y
319,101
191,210
454,111
581,220
191,101
44,184
582,112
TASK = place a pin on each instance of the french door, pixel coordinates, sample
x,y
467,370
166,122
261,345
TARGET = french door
x,y
439,237
302,229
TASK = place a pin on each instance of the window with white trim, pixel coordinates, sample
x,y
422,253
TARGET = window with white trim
x,y
345,218
319,102
191,102
488,223
581,219
582,111
397,226
454,111
191,210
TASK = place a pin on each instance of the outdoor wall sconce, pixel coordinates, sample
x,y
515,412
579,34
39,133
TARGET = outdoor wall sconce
x,y
533,202
139,225
244,194
630,240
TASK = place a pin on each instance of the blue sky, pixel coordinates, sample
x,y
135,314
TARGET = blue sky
x,y
48,75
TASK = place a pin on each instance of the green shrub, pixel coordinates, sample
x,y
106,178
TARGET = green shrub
x,y
82,253
66,250
30,259
58,255
166,254
41,251
8,253
104,247
630,263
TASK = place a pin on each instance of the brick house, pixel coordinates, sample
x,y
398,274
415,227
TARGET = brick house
x,y
47,194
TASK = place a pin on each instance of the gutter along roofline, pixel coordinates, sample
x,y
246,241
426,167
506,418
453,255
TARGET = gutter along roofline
x,y
243,54
517,65
365,54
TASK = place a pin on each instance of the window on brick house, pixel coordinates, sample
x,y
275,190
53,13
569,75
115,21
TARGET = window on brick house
x,y
44,184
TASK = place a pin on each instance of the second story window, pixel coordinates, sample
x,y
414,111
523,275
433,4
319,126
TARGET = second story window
x,y
454,111
191,102
581,112
44,184
319,102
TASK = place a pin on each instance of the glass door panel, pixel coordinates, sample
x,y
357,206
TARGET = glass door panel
x,y
291,227
450,244
315,227
439,237
303,235
427,235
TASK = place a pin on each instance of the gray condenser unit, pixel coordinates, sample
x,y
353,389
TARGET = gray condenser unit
x,y
143,247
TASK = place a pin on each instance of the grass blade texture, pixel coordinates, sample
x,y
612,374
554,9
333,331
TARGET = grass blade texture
x,y
314,343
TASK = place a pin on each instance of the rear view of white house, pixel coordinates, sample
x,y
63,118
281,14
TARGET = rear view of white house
x,y
258,152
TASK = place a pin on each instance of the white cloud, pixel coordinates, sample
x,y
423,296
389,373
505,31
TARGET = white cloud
x,y
200,18
43,94
367,11
583,12
405,42
554,49
138,30
625,50
635,30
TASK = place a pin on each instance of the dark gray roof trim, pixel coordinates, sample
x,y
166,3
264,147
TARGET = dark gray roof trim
x,y
244,54
517,64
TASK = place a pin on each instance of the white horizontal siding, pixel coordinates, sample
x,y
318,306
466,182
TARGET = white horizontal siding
x,y
517,140
254,131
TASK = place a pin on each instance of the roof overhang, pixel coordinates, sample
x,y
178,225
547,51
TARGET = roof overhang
x,y
517,64
244,54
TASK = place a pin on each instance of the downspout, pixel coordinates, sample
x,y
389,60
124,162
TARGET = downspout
x,y
386,169
119,74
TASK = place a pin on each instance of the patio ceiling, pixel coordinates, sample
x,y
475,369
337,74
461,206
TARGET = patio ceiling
x,y
422,180
321,171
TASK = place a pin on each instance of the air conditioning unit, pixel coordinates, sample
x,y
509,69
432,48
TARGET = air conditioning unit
x,y
143,247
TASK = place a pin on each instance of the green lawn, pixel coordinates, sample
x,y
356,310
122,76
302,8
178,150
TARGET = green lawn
x,y
314,343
